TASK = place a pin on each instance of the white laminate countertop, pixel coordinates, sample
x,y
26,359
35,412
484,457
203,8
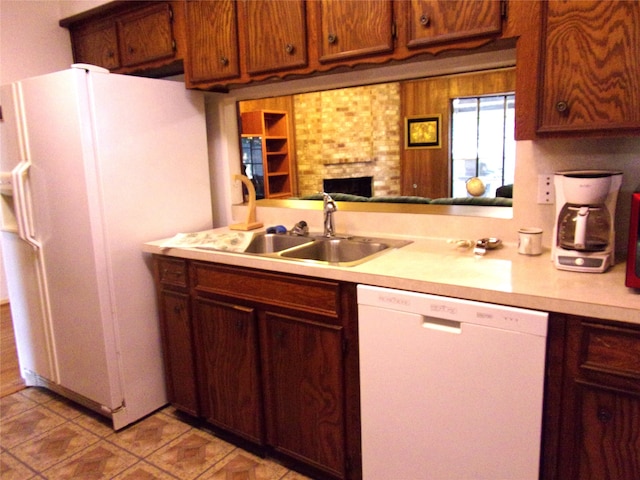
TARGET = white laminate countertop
x,y
427,265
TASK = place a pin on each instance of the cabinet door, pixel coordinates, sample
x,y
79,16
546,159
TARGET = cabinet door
x,y
146,35
96,44
227,344
177,343
305,390
352,28
609,445
438,21
591,62
275,35
212,41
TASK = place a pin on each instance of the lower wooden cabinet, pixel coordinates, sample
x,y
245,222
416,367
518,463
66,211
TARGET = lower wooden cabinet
x,y
177,332
229,367
305,398
593,418
275,361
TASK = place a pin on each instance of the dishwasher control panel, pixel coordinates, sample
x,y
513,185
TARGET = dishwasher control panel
x,y
455,309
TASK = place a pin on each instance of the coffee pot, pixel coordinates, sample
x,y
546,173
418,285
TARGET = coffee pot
x,y
584,233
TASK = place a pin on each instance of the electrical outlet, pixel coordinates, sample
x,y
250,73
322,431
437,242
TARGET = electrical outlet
x,y
546,193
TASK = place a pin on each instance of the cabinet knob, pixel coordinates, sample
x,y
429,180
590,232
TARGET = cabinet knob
x,y
224,61
289,48
332,38
111,54
604,415
562,106
131,49
425,20
177,309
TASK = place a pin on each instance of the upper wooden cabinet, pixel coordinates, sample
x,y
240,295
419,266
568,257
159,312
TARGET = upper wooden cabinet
x,y
212,42
146,35
128,37
433,22
353,28
97,44
590,65
275,34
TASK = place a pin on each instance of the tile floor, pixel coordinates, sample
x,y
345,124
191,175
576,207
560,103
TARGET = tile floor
x,y
44,436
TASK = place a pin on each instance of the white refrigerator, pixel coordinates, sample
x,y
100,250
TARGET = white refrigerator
x,y
92,166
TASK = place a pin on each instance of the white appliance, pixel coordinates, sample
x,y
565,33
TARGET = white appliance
x,y
93,165
584,232
450,389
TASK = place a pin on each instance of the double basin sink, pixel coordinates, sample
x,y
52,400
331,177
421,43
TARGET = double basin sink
x,y
336,250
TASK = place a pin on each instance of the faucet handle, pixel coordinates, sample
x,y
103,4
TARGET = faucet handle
x,y
301,228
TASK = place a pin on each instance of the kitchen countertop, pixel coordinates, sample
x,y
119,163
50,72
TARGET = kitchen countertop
x,y
434,266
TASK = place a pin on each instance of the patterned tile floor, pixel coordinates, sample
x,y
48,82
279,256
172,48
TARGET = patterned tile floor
x,y
44,436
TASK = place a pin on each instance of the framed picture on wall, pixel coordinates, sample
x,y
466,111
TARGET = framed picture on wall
x,y
423,131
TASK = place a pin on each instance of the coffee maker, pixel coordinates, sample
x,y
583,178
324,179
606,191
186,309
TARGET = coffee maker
x,y
584,232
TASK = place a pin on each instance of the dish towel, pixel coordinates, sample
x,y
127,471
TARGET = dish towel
x,y
227,241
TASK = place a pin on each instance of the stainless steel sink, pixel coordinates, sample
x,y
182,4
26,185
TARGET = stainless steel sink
x,y
345,251
316,248
274,242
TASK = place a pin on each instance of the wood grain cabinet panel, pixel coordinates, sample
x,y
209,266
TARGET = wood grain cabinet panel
x,y
130,37
228,361
591,60
97,44
146,35
354,28
434,22
303,365
176,332
592,411
212,41
275,35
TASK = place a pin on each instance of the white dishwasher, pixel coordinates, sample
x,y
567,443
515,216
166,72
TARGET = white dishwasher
x,y
450,389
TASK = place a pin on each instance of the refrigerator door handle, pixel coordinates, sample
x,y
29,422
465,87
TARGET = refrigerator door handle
x,y
23,205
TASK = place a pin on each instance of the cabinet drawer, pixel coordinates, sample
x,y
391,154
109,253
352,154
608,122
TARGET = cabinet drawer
x,y
611,349
172,271
305,294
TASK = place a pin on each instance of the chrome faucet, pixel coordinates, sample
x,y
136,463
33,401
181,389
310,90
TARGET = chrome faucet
x,y
329,207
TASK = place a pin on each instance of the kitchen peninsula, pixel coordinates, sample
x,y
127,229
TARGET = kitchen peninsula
x,y
590,313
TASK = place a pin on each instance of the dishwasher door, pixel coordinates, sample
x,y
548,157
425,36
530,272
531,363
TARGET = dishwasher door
x,y
450,389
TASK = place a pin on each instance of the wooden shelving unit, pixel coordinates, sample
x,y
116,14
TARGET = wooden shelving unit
x,y
273,129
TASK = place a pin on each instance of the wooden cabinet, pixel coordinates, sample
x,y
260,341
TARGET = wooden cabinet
x,y
130,37
303,364
177,333
590,65
146,35
433,22
594,399
228,367
277,364
275,35
272,127
354,28
212,42
97,44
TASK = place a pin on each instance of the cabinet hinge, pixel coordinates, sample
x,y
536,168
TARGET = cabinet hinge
x,y
174,45
170,13
394,30
503,8
345,346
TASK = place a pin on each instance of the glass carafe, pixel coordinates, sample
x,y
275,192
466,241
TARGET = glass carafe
x,y
584,227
